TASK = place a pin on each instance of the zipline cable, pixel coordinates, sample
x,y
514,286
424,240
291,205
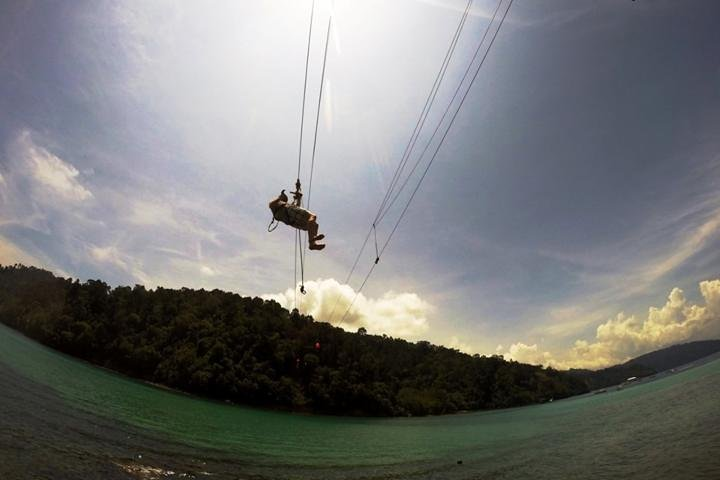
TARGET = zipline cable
x,y
437,149
444,115
302,112
317,116
429,100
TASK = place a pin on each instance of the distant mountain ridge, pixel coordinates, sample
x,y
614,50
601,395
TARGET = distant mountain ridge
x,y
676,355
648,364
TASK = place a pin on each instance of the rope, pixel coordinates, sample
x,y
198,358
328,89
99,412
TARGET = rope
x,y
298,242
377,255
302,261
296,263
437,149
312,162
302,113
317,116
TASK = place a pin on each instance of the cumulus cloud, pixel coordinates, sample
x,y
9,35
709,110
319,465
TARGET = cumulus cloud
x,y
50,171
623,337
395,314
627,336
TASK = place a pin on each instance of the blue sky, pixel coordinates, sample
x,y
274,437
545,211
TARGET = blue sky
x,y
571,205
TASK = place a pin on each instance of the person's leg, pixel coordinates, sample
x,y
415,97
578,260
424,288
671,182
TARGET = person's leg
x,y
313,236
312,230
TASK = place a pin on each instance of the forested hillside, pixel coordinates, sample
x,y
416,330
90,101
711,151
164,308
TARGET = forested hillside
x,y
253,351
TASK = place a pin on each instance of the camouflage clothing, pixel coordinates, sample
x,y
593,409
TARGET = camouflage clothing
x,y
292,215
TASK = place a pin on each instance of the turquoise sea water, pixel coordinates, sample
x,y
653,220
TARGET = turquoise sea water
x,y
61,418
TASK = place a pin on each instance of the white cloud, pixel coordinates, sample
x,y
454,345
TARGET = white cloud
x,y
207,271
624,337
456,343
521,352
395,314
108,255
50,171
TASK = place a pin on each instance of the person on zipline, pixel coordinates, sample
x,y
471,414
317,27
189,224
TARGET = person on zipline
x,y
294,215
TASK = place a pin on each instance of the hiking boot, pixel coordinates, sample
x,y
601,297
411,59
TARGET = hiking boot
x,y
319,237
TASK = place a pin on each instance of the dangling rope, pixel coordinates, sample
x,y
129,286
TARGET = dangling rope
x,y
303,258
299,248
298,243
295,275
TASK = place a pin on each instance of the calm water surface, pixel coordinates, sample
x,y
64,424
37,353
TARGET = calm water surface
x,y
64,419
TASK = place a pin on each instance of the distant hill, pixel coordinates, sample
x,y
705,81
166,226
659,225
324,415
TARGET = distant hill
x,y
648,364
677,355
